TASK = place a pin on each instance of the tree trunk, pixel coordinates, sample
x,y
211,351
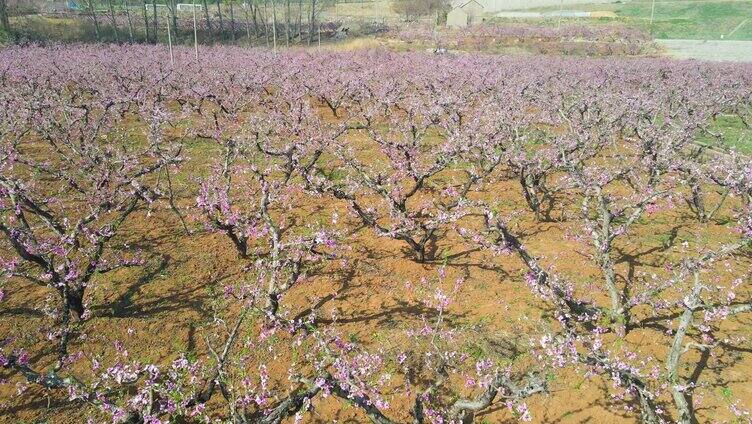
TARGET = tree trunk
x,y
94,17
311,22
287,24
698,202
195,32
247,25
419,249
72,301
266,24
619,314
206,18
114,21
130,22
154,18
75,299
680,400
300,20
677,348
274,23
146,21
4,21
174,17
221,22
232,22
254,16
529,191
272,304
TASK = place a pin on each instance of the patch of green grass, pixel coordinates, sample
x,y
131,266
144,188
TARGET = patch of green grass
x,y
476,351
727,394
665,240
687,19
730,131
4,37
681,19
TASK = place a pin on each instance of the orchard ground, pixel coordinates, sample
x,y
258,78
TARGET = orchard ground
x,y
158,310
374,292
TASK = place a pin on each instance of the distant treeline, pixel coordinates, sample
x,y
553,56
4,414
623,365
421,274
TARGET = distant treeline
x,y
271,22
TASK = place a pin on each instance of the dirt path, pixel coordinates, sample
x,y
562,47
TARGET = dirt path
x,y
713,50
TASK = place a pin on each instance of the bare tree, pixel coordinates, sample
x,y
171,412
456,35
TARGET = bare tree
x,y
300,20
254,16
94,17
146,21
312,21
130,21
4,22
154,19
266,26
232,22
413,9
287,24
247,22
206,18
114,21
221,23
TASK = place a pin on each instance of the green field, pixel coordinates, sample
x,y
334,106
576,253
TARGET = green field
x,y
684,19
4,37
730,131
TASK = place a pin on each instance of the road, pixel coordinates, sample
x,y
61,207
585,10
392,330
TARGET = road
x,y
714,50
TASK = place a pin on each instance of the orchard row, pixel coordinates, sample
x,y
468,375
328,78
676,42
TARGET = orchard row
x,y
414,146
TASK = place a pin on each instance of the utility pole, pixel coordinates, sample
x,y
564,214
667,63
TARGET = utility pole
x,y
652,16
169,42
195,31
274,26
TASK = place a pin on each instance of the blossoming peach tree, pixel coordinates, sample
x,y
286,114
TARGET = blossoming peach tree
x,y
416,147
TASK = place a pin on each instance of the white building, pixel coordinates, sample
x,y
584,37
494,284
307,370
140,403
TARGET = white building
x,y
464,13
188,7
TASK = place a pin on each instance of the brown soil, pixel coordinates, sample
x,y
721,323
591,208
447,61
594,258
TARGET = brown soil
x,y
165,304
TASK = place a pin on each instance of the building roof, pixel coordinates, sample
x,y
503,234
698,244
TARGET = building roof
x,y
457,11
463,3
